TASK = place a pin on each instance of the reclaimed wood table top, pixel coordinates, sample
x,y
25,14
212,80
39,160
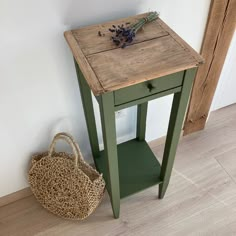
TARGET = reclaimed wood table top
x,y
156,51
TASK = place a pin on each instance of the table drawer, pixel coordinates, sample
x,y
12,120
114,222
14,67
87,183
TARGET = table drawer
x,y
148,88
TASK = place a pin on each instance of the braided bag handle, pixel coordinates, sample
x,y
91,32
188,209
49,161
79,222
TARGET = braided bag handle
x,y
69,139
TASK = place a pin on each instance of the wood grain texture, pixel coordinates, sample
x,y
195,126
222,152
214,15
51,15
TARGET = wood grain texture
x,y
219,31
201,198
182,43
83,64
156,51
141,62
90,42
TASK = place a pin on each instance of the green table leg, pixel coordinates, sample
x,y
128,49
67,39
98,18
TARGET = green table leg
x,y
86,98
141,120
107,111
179,105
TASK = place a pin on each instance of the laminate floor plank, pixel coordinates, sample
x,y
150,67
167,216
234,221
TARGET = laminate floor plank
x,y
200,200
215,220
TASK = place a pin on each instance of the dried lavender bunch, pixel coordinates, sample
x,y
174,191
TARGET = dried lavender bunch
x,y
124,35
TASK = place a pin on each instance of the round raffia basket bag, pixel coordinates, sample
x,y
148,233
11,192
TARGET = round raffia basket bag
x,y
64,183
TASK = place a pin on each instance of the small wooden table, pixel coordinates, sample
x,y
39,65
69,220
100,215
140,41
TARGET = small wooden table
x,y
158,63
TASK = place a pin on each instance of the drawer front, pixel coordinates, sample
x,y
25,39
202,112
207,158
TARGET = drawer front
x,y
148,88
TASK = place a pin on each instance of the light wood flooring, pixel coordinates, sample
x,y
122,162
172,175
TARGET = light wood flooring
x,y
201,198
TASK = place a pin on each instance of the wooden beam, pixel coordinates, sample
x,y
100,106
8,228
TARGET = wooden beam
x,y
218,34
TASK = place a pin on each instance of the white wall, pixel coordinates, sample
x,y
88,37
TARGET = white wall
x,y
225,92
39,95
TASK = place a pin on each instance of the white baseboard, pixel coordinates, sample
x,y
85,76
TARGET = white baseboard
x,y
23,193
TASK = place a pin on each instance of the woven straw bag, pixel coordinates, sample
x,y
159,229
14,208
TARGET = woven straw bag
x,y
65,184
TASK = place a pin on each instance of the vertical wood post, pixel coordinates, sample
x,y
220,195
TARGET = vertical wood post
x,y
219,32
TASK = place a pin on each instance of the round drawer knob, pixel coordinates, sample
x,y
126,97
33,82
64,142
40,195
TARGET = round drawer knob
x,y
150,87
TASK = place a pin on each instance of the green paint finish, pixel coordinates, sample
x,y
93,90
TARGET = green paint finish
x,y
109,158
86,98
149,98
131,167
138,167
179,105
148,88
141,120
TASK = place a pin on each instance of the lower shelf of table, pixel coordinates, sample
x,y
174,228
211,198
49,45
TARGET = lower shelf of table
x,y
138,167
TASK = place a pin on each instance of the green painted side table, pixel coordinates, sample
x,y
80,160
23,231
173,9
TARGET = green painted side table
x,y
158,63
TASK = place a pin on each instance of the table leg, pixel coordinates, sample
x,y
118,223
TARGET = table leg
x,y
87,102
141,120
107,111
178,109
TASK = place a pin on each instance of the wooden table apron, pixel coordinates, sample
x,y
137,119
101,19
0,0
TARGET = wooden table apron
x,y
116,169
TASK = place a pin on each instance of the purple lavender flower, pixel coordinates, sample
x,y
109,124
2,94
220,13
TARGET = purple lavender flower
x,y
122,34
126,35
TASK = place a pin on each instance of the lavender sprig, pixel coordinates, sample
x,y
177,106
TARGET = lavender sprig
x,y
125,35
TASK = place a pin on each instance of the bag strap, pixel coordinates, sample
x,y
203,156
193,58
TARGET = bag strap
x,y
69,139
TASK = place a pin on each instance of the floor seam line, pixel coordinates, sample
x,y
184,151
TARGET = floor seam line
x,y
225,171
200,188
